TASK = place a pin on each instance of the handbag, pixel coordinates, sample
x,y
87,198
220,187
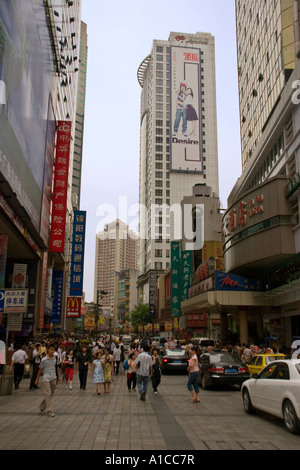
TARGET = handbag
x,y
128,375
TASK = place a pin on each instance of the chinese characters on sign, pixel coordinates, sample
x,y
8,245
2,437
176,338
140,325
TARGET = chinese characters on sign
x,y
191,56
59,207
196,321
152,295
57,286
16,301
238,217
77,260
186,272
175,279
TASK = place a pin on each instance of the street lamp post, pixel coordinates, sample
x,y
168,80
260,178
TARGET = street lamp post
x,y
100,295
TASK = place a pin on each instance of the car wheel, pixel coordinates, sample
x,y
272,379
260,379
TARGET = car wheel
x,y
248,407
290,419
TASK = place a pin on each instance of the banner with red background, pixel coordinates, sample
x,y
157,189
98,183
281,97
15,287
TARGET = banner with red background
x,y
60,190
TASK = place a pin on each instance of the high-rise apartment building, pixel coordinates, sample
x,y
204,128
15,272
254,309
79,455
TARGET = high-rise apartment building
x,y
261,225
38,89
178,141
127,296
116,250
81,66
267,37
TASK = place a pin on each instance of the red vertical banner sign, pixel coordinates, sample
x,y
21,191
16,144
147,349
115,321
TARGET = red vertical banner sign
x,y
60,190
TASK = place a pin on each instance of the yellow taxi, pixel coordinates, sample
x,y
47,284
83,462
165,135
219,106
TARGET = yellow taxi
x,y
259,361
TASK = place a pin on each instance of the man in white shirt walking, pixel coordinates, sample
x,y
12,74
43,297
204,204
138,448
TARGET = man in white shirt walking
x,y
117,358
50,377
144,371
17,362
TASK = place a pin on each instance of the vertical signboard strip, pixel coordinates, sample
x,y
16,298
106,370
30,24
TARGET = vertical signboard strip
x,y
186,273
152,296
57,286
77,259
60,190
43,289
175,279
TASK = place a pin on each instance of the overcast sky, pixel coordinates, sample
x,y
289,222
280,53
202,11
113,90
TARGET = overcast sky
x,y
120,36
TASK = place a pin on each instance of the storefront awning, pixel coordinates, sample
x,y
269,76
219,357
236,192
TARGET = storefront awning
x,y
281,295
223,298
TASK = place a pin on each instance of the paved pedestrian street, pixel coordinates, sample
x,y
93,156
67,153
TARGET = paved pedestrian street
x,y
120,421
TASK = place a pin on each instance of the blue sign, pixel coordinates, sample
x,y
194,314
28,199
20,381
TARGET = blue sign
x,y
2,297
77,258
232,283
57,286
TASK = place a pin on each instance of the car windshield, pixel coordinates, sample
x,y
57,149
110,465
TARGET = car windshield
x,y
175,352
227,357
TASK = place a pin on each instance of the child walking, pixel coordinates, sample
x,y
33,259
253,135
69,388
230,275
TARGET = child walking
x,y
98,375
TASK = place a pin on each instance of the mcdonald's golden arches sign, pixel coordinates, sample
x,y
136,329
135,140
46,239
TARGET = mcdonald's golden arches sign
x,y
73,307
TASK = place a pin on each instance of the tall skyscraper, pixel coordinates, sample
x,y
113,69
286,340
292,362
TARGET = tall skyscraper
x,y
38,84
178,141
80,114
267,37
261,224
116,250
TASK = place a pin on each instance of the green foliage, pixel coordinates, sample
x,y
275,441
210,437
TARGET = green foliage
x,y
140,315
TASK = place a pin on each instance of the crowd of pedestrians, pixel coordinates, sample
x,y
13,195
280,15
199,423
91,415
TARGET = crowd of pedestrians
x,y
58,359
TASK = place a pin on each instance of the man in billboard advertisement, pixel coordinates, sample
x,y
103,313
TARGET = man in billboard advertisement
x,y
25,72
186,141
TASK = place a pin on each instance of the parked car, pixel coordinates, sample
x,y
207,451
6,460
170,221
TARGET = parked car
x,y
174,360
203,342
221,369
276,390
258,362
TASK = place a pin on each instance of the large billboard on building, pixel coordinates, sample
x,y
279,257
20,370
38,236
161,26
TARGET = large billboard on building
x,y
25,73
186,109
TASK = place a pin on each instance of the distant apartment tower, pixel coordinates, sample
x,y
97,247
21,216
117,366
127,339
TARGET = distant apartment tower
x,y
81,68
267,42
116,250
127,295
173,158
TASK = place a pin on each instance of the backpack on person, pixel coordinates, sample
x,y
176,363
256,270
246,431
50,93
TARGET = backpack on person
x,y
126,365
